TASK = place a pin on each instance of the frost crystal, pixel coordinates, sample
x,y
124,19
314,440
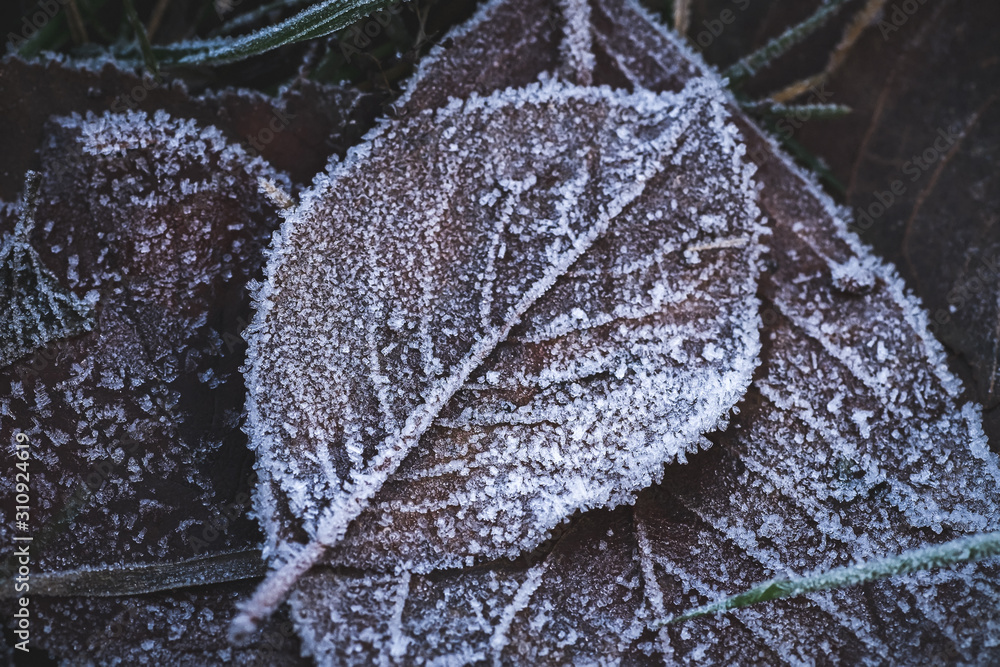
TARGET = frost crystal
x,y
155,217
134,425
851,444
497,291
38,309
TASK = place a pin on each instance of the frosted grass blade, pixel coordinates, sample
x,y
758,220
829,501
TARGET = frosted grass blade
x,y
958,551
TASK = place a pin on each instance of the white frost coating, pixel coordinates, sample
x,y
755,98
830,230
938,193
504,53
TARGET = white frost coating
x,y
38,309
577,48
139,207
94,64
499,639
849,447
553,173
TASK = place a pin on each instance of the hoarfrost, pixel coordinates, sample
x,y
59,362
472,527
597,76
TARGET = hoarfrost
x,y
851,444
104,409
38,309
160,218
485,284
499,318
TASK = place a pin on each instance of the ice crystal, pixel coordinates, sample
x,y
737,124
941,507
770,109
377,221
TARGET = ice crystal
x,y
508,282
851,444
39,309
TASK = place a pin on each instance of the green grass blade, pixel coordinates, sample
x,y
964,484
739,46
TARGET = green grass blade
x,y
801,112
318,20
247,19
50,36
140,34
962,550
749,65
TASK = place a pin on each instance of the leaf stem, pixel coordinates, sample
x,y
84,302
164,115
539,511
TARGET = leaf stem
x,y
272,592
213,568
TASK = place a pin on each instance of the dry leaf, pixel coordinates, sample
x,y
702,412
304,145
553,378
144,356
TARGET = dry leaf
x,y
852,443
159,222
535,297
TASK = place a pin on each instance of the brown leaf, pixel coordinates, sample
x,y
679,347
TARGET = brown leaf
x,y
137,457
559,278
126,217
917,157
852,443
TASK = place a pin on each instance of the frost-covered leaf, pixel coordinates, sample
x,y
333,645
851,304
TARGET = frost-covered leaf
x,y
639,348
38,310
534,297
131,423
162,219
186,628
175,486
296,131
853,443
